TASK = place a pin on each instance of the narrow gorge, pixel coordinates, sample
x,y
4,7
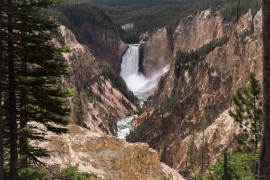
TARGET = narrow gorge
x,y
152,86
92,146
137,82
193,99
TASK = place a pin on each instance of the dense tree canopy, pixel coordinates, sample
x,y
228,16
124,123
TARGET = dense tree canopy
x,y
264,165
31,101
145,15
151,15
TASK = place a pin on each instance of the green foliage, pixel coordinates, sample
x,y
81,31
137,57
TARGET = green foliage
x,y
150,18
166,178
197,156
33,98
76,14
202,177
240,166
146,15
129,36
33,174
248,114
72,173
229,8
192,160
136,2
66,49
187,60
170,101
152,15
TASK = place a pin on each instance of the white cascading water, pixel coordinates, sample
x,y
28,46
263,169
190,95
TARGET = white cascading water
x,y
130,69
136,82
130,61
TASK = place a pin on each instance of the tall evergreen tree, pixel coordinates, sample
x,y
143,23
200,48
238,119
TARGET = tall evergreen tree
x,y
40,100
35,102
11,94
1,88
264,166
248,113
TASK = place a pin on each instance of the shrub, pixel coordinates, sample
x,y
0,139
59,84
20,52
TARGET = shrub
x,y
33,174
72,173
240,166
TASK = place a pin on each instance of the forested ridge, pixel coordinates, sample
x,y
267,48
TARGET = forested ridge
x,y
136,2
74,15
152,17
147,16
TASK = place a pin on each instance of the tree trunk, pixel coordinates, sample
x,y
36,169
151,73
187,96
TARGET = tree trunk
x,y
1,110
11,97
237,11
23,122
202,155
225,167
264,165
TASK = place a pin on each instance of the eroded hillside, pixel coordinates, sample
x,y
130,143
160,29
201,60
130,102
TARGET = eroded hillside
x,y
211,60
100,95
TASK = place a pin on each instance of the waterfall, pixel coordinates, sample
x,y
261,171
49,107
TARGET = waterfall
x,y
136,82
130,69
130,61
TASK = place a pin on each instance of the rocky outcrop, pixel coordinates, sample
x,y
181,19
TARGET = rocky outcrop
x,y
127,26
196,100
215,139
196,30
156,52
245,22
105,157
258,22
103,43
97,102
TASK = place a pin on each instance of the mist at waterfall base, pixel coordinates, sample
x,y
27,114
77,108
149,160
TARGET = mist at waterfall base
x,y
140,85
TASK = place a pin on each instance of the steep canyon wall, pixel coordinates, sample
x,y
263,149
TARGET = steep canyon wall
x,y
195,95
98,99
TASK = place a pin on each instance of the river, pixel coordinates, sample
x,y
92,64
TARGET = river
x,y
140,85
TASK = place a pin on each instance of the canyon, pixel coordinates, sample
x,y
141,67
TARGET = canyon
x,y
194,97
188,102
97,105
97,102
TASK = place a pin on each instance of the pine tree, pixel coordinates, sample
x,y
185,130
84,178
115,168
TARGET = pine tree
x,y
1,88
264,166
11,94
248,113
44,104
35,102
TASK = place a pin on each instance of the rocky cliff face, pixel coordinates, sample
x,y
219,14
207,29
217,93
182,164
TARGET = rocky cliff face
x,y
98,100
197,99
195,31
105,157
156,52
104,44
